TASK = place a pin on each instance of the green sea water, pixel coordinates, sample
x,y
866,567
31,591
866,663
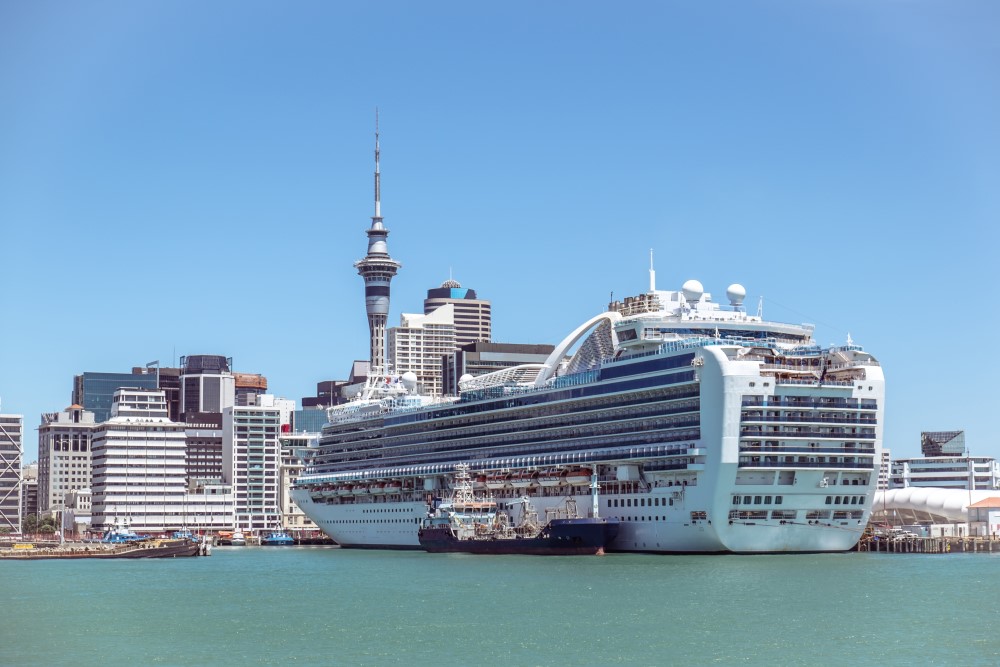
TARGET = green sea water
x,y
329,606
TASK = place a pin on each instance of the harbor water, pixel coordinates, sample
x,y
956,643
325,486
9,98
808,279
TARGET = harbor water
x,y
330,606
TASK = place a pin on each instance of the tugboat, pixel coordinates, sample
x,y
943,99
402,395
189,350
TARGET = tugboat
x,y
468,523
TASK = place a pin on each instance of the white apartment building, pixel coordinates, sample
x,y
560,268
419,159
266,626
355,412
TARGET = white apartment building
x,y
884,470
419,344
294,450
138,459
64,442
251,453
946,472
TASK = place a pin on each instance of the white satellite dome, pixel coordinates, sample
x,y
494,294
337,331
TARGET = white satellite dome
x,y
692,290
465,378
409,379
736,293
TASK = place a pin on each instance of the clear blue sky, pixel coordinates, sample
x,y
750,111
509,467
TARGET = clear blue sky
x,y
196,178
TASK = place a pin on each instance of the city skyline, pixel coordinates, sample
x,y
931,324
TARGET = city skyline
x,y
172,188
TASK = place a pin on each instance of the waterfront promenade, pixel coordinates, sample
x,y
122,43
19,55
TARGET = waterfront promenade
x,y
931,545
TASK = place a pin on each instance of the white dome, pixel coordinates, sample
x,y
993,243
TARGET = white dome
x,y
692,290
409,380
464,378
736,293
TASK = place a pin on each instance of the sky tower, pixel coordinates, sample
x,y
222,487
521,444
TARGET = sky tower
x,y
377,268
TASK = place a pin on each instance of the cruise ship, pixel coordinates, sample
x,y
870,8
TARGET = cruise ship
x,y
702,427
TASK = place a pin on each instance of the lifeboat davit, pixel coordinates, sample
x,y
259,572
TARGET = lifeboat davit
x,y
579,476
361,489
317,492
479,482
377,489
345,490
393,486
329,491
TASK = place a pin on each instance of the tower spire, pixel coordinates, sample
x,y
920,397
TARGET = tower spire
x,y
377,269
377,218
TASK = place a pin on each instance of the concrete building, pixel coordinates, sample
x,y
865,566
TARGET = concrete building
x,y
138,465
203,461
29,490
248,387
946,472
11,451
77,515
139,460
252,458
473,316
64,455
884,470
295,449
942,443
419,343
481,357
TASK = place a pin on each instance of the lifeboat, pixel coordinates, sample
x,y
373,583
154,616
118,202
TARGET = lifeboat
x,y
317,493
578,476
361,489
523,479
393,486
497,480
479,482
377,489
329,490
345,490
552,477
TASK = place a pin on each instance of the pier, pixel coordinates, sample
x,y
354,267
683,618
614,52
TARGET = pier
x,y
930,545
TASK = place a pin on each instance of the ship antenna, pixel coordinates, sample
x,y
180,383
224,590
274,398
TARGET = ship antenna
x,y
760,308
594,487
652,273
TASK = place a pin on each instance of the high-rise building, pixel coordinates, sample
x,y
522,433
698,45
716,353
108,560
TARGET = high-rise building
x,y
138,464
64,455
942,443
473,316
93,391
480,358
418,344
139,471
203,458
252,456
294,451
207,383
11,450
377,269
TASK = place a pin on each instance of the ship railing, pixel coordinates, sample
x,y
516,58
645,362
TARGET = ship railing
x,y
847,421
856,465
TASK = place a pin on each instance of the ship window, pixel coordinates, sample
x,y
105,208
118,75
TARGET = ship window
x,y
836,500
777,500
736,500
767,500
854,500
756,500
746,500
828,500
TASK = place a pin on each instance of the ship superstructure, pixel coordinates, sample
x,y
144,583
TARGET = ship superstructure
x,y
709,430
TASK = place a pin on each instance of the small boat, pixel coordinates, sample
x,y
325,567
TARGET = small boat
x,y
579,476
276,538
467,523
524,479
552,478
238,539
121,533
345,490
393,486
497,480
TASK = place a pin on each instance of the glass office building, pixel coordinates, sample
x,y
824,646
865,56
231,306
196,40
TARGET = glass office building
x,y
94,391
